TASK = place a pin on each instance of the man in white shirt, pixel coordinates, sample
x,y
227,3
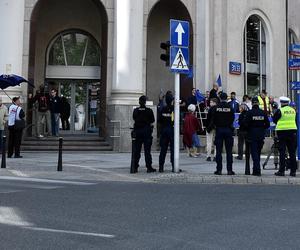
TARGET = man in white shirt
x,y
15,135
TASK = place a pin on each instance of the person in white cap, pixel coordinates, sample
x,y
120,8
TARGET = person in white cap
x,y
286,128
190,128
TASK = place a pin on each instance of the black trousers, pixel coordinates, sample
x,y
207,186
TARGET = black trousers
x,y
143,137
287,139
224,135
14,141
241,141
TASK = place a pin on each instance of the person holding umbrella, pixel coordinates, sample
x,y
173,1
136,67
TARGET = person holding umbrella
x,y
15,127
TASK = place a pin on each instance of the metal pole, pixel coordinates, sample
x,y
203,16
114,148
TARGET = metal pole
x,y
59,164
3,162
133,167
176,123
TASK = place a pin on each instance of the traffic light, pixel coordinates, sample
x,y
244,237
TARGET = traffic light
x,y
166,56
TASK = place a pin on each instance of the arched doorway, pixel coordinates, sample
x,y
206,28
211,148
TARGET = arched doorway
x,y
73,68
68,51
158,78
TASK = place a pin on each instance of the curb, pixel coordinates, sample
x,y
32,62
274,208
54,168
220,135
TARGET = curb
x,y
238,180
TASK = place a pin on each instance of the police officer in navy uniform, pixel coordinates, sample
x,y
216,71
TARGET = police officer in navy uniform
x,y
222,119
286,128
166,120
143,119
256,122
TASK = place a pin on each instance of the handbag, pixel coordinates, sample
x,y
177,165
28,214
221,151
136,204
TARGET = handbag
x,y
19,124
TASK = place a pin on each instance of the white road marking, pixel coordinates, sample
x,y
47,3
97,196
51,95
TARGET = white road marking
x,y
11,216
9,191
110,236
103,171
18,173
45,180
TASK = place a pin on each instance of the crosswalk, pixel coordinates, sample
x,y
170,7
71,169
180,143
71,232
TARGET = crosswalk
x,y
16,184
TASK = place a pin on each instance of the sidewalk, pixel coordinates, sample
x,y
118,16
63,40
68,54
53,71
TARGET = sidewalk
x,y
115,167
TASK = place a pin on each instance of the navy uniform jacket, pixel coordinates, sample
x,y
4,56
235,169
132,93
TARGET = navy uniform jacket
x,y
165,118
223,115
143,117
256,122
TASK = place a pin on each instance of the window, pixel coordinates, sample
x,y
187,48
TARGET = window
x,y
74,49
255,56
293,74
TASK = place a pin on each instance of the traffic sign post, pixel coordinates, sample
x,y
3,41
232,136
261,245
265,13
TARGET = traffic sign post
x,y
179,64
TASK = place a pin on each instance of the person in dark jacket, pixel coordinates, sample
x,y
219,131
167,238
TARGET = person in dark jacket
x,y
143,119
242,132
43,115
55,107
214,92
211,131
222,119
256,122
65,112
166,120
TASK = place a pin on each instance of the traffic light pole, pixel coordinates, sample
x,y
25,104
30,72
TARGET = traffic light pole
x,y
176,123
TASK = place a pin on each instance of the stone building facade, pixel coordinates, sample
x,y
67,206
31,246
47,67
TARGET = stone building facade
x,y
108,51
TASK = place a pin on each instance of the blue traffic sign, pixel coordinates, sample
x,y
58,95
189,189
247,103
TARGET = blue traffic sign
x,y
295,85
179,33
179,60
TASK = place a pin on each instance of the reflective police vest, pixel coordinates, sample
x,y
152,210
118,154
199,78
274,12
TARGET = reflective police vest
x,y
262,105
287,120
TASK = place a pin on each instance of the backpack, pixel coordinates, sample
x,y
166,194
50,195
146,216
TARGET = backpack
x,y
43,106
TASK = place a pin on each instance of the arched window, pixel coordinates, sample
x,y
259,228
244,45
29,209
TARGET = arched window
x,y
255,56
293,74
73,55
74,49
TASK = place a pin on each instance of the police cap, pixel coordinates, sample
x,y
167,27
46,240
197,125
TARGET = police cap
x,y
284,99
255,100
223,96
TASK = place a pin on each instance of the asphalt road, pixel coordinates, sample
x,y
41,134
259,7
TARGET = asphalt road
x,y
115,215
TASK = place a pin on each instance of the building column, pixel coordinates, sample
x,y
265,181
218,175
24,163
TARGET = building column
x,y
11,42
127,79
127,82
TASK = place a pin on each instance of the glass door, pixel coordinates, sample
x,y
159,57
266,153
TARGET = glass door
x,y
81,107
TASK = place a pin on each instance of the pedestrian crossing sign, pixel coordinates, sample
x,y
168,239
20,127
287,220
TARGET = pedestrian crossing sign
x,y
179,57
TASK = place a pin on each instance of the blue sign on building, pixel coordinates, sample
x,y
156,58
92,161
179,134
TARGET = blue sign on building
x,y
179,33
235,68
295,85
295,49
294,64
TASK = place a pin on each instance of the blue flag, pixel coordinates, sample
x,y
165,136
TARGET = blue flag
x,y
200,97
219,81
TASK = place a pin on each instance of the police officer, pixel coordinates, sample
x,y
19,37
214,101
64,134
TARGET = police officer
x,y
143,118
166,120
256,122
222,119
286,128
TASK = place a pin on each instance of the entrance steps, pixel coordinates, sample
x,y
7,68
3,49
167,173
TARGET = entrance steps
x,y
70,143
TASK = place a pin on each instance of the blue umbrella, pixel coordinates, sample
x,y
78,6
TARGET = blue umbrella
x,y
11,81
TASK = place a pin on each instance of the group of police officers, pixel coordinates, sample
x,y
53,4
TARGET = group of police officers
x,y
255,121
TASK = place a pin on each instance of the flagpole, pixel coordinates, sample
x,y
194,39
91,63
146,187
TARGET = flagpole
x,y
6,94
